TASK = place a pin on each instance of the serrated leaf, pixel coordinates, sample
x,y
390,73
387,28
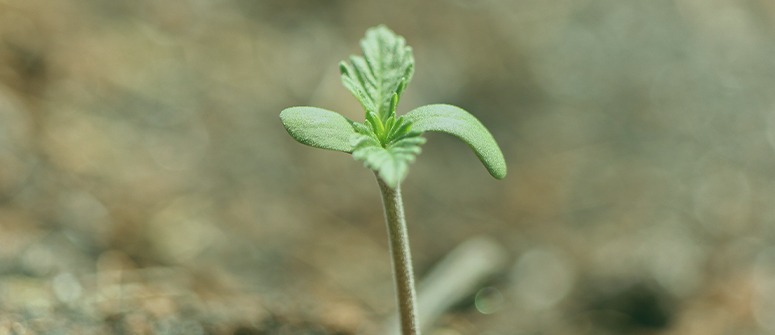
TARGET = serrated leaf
x,y
456,121
385,69
391,162
400,129
319,128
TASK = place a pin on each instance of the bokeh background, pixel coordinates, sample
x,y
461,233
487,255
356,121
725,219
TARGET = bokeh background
x,y
147,185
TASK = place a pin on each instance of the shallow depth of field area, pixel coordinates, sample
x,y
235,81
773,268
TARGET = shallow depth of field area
x,y
147,185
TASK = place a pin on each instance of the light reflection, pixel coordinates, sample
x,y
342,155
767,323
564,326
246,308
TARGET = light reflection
x,y
67,287
488,300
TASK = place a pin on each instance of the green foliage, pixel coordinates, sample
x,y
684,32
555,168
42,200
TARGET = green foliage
x,y
385,70
319,128
391,152
384,143
455,121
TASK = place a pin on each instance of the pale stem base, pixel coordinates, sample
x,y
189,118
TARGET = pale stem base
x,y
401,258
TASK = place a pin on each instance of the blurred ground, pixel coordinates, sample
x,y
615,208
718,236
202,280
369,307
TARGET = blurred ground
x,y
148,187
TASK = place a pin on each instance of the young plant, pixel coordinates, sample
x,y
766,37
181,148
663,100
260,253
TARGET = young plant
x,y
386,144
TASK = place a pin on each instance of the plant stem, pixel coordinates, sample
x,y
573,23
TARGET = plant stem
x,y
401,257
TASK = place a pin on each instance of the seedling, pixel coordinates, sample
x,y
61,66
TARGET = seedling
x,y
386,144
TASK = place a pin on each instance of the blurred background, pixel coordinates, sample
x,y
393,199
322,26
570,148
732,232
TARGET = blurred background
x,y
147,185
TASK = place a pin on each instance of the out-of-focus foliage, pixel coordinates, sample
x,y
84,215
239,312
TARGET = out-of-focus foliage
x,y
147,186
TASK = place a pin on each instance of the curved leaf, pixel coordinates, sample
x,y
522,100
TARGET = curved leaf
x,y
456,121
319,128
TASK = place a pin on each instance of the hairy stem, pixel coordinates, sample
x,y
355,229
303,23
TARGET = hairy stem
x,y
401,257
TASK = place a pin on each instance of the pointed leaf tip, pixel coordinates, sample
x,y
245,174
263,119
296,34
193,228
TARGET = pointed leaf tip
x,y
319,128
456,121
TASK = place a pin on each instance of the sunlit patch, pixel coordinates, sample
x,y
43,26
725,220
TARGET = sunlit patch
x,y
66,287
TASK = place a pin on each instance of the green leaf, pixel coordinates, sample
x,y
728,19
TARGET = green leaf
x,y
385,70
456,121
320,128
391,162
